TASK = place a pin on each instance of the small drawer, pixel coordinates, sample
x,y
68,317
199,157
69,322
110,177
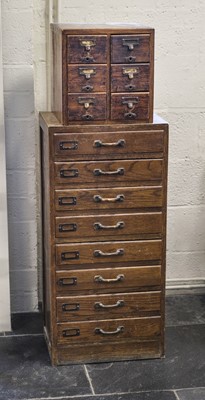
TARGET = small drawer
x,y
97,227
109,171
87,78
130,78
80,254
129,107
87,107
106,280
110,144
130,48
109,198
87,49
109,330
107,306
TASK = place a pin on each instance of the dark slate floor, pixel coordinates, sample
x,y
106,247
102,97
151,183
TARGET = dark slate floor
x,y
26,373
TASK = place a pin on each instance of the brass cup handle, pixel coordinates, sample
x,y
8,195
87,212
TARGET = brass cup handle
x,y
100,279
120,197
119,143
102,332
119,303
119,225
98,172
99,253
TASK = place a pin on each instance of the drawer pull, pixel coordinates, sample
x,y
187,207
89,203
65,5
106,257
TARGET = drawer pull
x,y
67,281
87,88
100,279
130,115
87,44
119,303
119,225
68,145
130,43
118,198
120,329
130,72
70,307
98,172
69,173
87,117
71,332
67,201
130,102
70,255
86,102
120,143
99,253
87,72
67,228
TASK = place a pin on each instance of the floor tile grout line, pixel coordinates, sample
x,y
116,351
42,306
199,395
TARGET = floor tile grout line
x,y
89,379
175,393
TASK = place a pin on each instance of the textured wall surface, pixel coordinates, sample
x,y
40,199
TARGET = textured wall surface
x,y
179,98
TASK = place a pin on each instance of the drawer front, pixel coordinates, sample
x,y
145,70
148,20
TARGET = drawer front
x,y
108,171
127,107
108,279
130,78
101,226
87,108
108,252
78,145
87,78
109,330
87,49
105,199
107,306
130,48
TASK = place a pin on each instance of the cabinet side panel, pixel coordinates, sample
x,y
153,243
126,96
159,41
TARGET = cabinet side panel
x,y
56,90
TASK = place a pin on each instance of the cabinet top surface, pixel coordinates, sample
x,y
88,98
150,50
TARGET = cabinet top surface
x,y
99,27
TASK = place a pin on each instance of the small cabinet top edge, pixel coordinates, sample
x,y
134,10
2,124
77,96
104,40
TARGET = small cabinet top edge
x,y
99,29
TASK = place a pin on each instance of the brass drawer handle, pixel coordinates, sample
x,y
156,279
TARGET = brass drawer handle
x,y
71,332
100,279
99,253
119,198
86,102
87,44
98,172
119,225
120,329
130,43
119,303
87,72
130,102
67,281
119,143
68,145
67,228
130,72
66,307
69,173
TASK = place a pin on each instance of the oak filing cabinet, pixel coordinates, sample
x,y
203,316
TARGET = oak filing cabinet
x,y
104,199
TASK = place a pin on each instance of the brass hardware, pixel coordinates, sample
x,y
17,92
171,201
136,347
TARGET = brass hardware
x,y
130,115
130,43
87,44
67,228
87,88
70,255
67,201
69,173
87,59
86,102
68,145
98,172
87,72
99,143
67,281
130,59
120,197
100,279
119,225
99,253
70,307
102,332
119,303
130,72
130,102
130,88
71,332
87,117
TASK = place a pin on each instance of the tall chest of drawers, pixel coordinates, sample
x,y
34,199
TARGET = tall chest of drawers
x,y
104,169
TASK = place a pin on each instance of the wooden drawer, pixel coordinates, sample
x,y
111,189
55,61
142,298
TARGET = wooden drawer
x,y
87,49
108,171
130,78
87,108
79,254
98,227
106,280
92,78
109,330
127,107
108,199
130,48
107,306
106,144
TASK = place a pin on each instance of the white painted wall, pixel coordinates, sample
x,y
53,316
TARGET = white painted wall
x,y
179,98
